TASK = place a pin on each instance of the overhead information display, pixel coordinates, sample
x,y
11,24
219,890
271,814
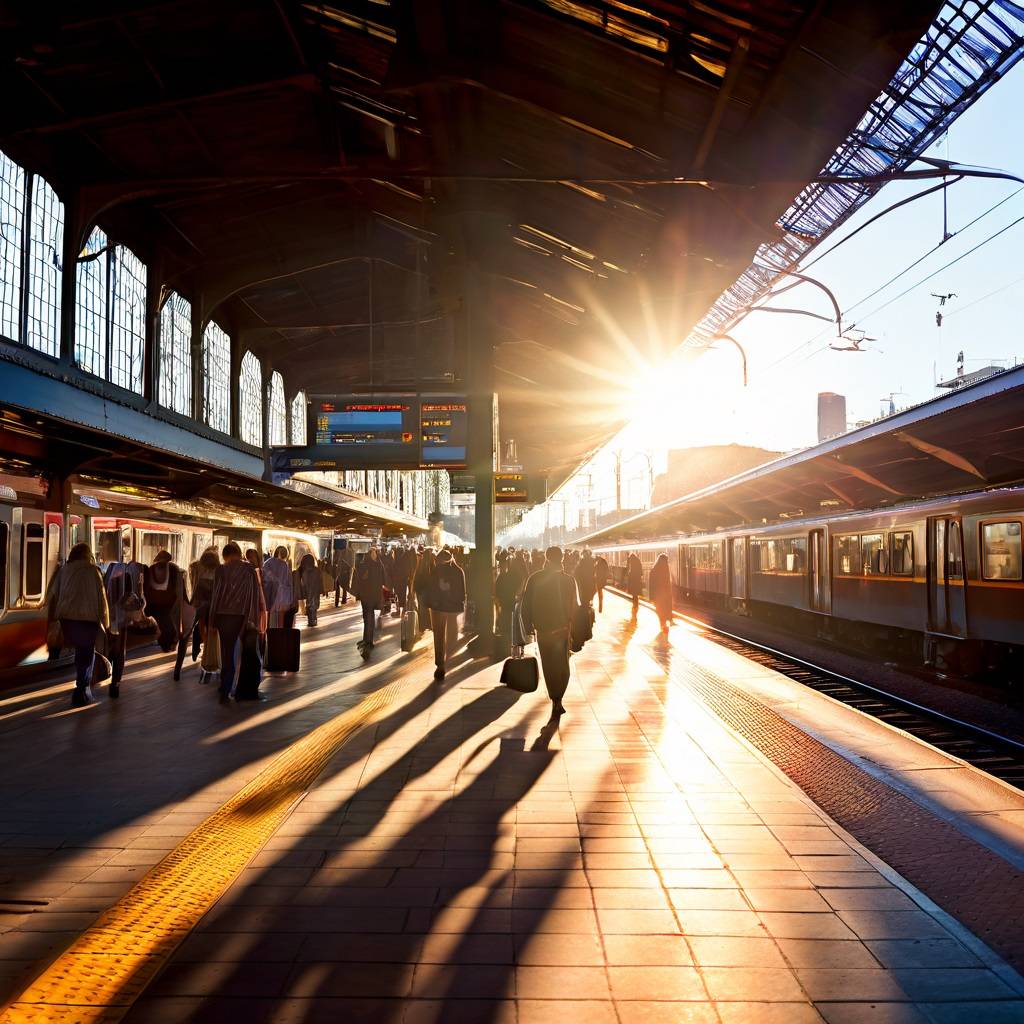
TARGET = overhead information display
x,y
510,489
380,432
443,431
377,428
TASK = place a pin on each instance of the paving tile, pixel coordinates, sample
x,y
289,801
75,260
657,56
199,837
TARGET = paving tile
x,y
533,1011
922,953
708,899
575,983
720,922
805,926
898,924
791,900
551,949
827,953
666,1013
735,951
972,1012
768,1013
874,1013
637,922
656,983
647,950
826,984
745,984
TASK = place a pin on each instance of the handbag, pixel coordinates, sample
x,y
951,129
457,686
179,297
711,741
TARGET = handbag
x,y
211,651
582,629
520,674
101,669
55,635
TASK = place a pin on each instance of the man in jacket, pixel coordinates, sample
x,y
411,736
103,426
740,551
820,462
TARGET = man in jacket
x,y
342,577
634,579
446,598
549,600
237,605
585,581
78,601
421,584
368,587
600,579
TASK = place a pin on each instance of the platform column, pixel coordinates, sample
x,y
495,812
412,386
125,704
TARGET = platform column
x,y
482,447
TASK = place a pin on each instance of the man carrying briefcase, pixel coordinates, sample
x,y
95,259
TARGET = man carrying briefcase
x,y
549,602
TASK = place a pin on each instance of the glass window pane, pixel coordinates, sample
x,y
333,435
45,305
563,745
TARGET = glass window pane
x,y
91,310
873,560
45,260
278,432
250,401
1001,556
12,212
217,378
128,321
175,349
955,555
298,418
32,561
847,555
52,549
902,554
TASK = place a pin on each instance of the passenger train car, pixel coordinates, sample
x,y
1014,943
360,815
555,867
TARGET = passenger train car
x,y
938,579
35,539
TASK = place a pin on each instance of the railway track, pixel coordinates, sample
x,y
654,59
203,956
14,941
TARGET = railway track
x,y
998,756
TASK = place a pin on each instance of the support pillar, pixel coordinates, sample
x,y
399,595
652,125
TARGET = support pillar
x,y
482,450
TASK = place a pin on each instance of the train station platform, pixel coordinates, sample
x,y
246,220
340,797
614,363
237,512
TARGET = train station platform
x,y
696,841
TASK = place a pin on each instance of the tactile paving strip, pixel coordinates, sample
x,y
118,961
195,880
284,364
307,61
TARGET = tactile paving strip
x,y
106,969
976,886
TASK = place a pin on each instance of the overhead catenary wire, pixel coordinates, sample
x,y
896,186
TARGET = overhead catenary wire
x,y
910,266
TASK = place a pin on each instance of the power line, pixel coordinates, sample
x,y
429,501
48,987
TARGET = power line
x,y
988,295
892,280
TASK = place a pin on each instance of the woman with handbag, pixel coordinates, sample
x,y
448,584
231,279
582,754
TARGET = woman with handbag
x,y
78,602
307,585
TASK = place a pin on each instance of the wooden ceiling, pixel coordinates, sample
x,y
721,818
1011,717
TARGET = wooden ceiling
x,y
332,181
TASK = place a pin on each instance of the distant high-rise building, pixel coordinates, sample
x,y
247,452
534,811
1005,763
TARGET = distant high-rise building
x,y
831,415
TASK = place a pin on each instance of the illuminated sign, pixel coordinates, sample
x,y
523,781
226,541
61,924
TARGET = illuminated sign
x,y
443,431
368,428
510,489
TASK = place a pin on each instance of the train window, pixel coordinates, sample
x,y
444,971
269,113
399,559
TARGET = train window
x,y
52,549
108,547
902,562
848,556
1001,551
954,553
152,542
32,562
793,554
873,557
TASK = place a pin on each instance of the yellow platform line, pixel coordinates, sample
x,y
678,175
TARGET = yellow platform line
x,y
106,969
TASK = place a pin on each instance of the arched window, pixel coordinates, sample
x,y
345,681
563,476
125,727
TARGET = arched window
x,y
45,261
12,215
278,423
92,321
217,378
250,401
298,418
128,319
175,351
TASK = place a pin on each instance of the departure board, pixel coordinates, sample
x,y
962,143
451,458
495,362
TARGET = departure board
x,y
510,489
367,429
444,431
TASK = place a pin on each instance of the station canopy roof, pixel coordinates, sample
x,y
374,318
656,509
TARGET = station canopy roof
x,y
335,183
970,439
136,480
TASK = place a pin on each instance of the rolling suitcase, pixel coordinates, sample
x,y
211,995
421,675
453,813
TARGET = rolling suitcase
x,y
250,668
410,629
282,650
521,674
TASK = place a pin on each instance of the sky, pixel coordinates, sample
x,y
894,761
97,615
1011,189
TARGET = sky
x,y
701,400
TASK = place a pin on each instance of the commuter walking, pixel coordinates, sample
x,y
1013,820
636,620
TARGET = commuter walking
x,y
634,579
237,608
342,576
78,601
661,591
278,590
421,584
368,588
507,590
308,584
201,575
163,584
446,599
123,584
600,579
549,601
585,582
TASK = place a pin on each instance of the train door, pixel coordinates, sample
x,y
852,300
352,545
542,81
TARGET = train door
x,y
818,569
947,601
738,568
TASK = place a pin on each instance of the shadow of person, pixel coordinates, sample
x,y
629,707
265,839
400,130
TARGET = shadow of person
x,y
546,735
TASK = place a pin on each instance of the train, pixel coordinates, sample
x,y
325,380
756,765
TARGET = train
x,y
35,538
937,580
